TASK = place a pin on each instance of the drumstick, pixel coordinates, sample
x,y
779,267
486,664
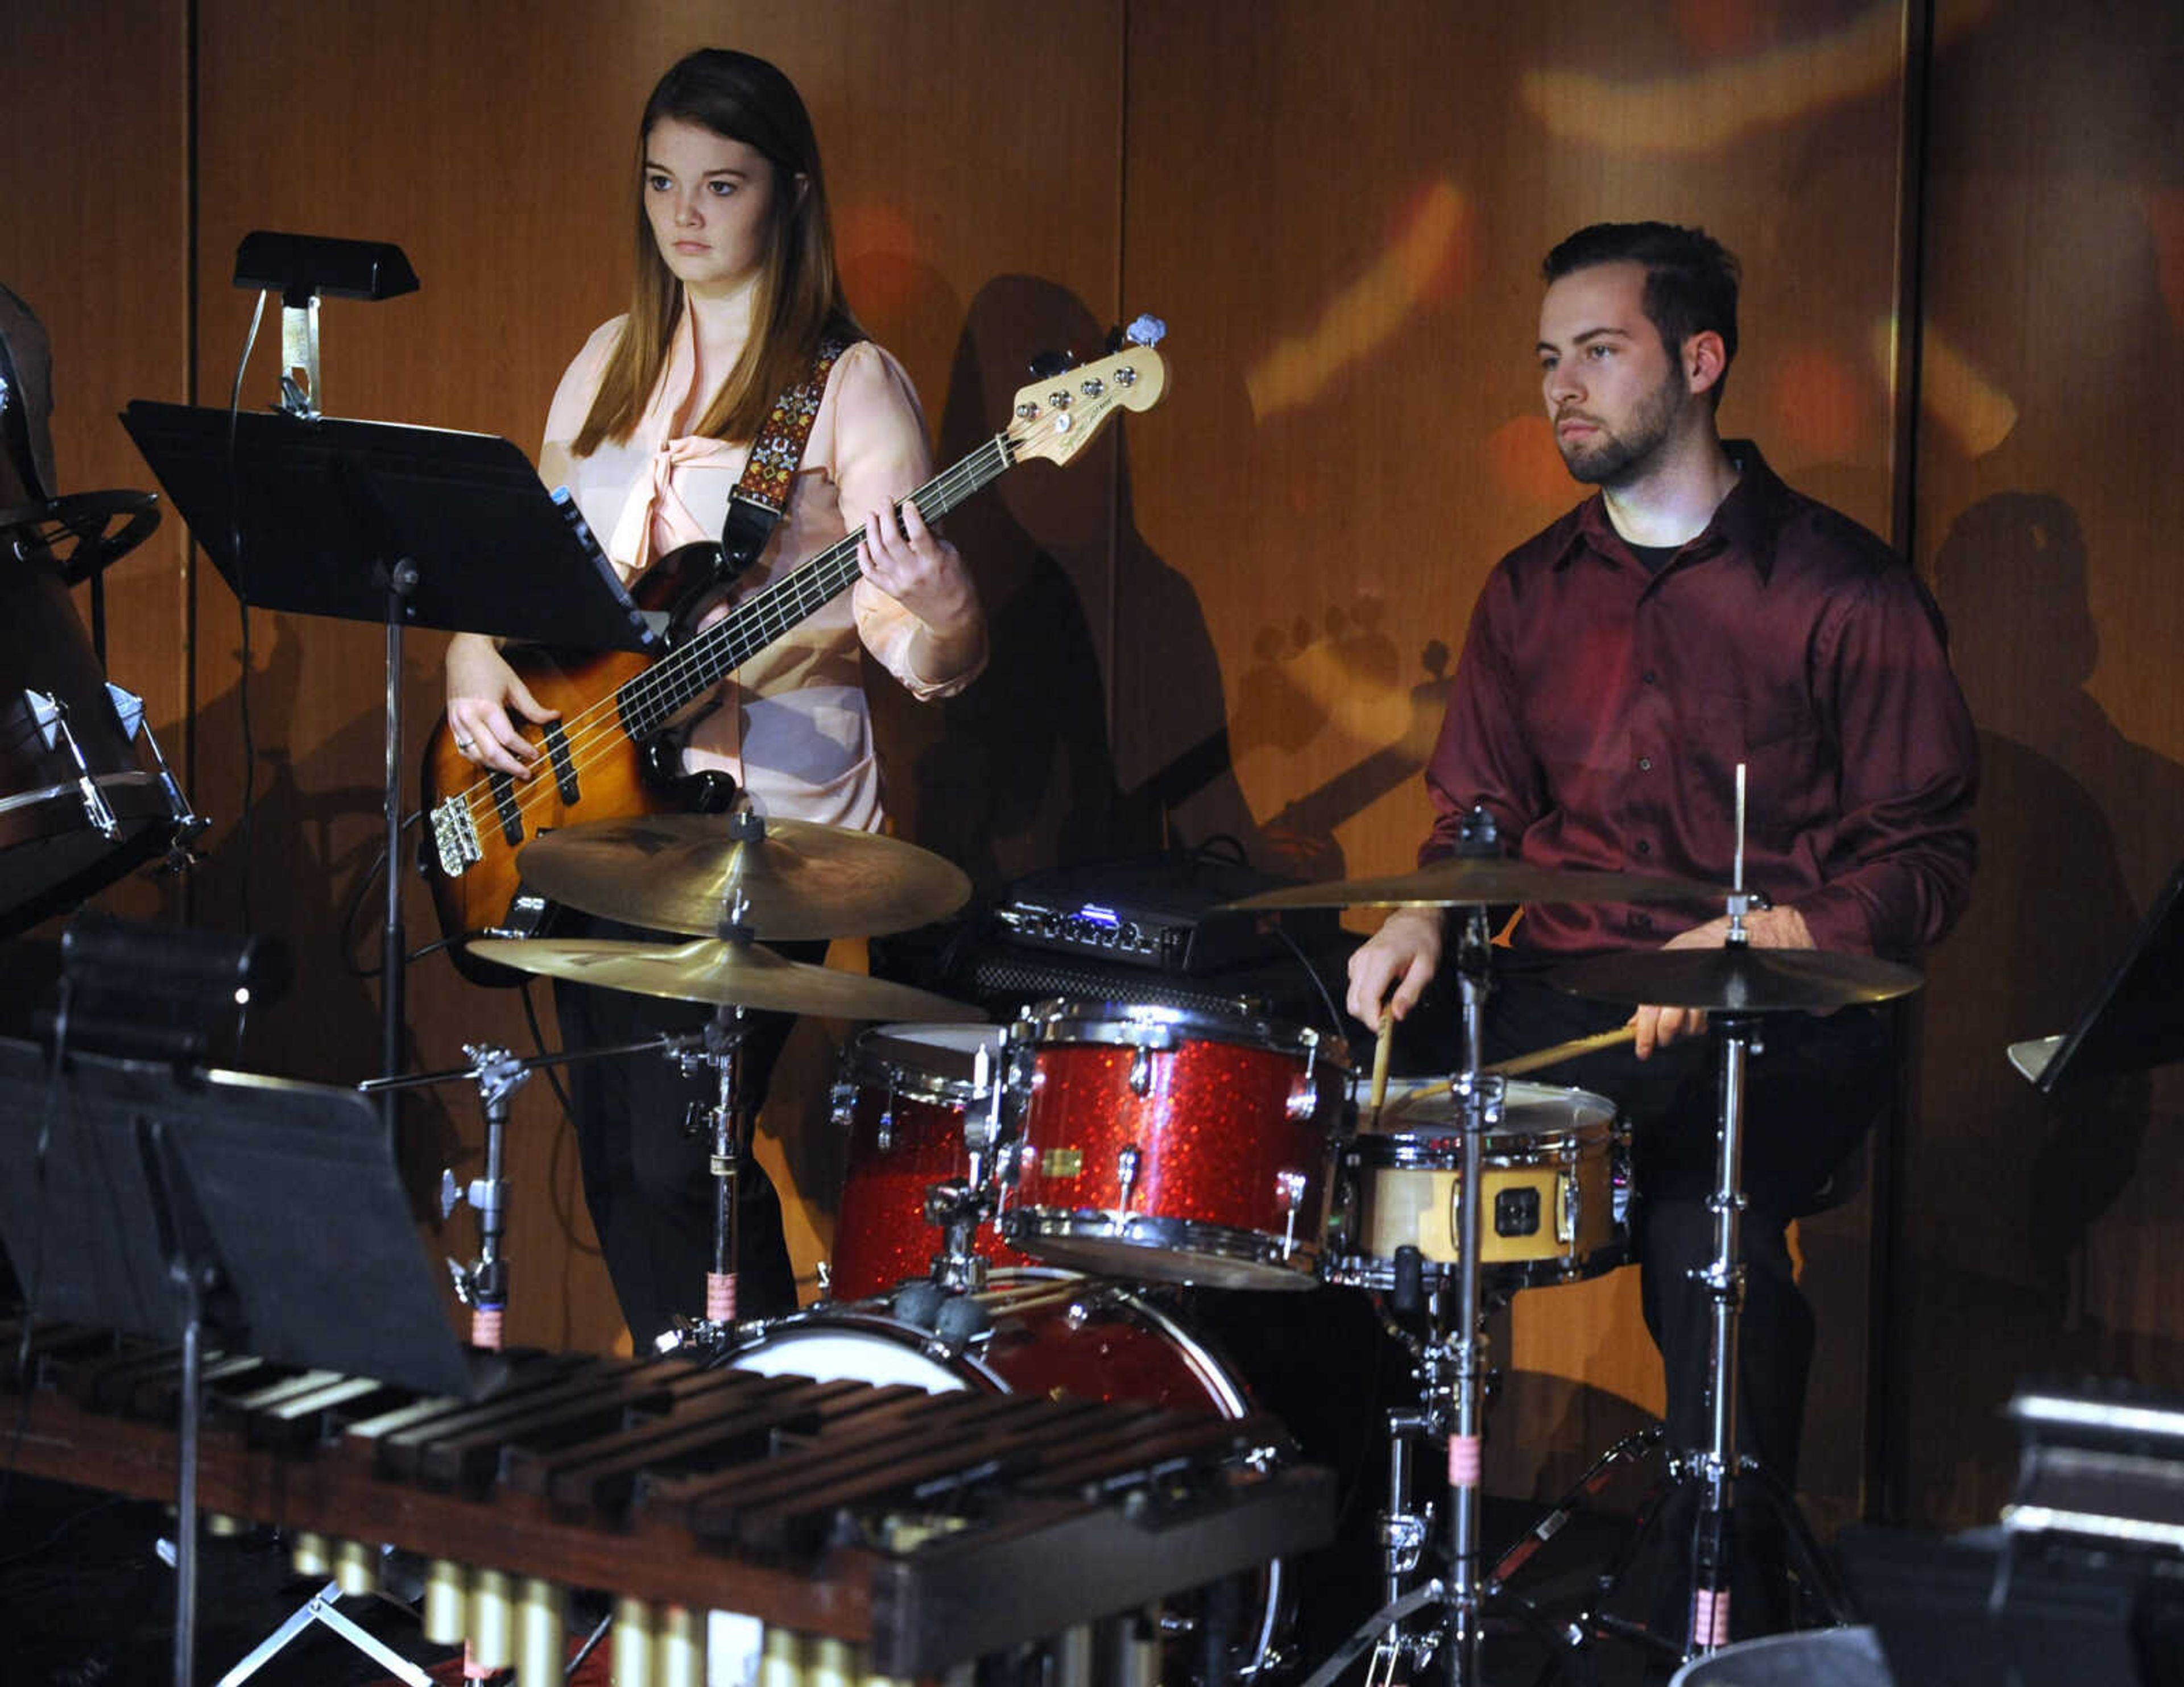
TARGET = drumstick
x,y
1380,1062
1559,1052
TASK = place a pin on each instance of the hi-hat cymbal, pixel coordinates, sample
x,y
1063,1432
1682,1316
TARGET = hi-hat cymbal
x,y
725,974
677,872
1474,880
1738,979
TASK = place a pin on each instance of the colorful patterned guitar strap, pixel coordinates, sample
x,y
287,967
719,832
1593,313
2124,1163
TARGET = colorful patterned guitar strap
x,y
762,494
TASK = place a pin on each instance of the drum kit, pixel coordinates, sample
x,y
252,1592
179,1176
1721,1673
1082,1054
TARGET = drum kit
x,y
1018,1196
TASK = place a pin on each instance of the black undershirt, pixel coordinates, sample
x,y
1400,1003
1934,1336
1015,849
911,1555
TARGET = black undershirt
x,y
1655,557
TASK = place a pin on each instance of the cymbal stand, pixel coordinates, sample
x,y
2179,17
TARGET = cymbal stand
x,y
1451,1377
960,1205
731,1144
482,1285
1717,1464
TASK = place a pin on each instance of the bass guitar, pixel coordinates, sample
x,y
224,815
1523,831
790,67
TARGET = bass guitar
x,y
603,757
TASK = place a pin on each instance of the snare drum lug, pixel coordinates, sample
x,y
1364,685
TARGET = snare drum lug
x,y
1288,1189
1141,1071
1126,1160
1570,1218
841,1105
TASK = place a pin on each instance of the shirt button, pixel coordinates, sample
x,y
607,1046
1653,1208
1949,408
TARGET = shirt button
x,y
1648,677
1644,848
1641,922
1645,764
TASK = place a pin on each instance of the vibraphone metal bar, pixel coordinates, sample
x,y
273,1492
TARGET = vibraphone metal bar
x,y
932,1528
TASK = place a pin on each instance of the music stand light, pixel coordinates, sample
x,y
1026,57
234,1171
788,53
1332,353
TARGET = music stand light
x,y
300,267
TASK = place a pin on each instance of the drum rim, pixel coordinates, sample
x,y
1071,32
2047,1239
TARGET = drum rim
x,y
869,1059
1024,1227
1442,1150
1069,1021
1513,1089
1376,1273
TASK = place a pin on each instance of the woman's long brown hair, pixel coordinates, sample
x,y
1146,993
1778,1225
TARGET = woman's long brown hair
x,y
799,300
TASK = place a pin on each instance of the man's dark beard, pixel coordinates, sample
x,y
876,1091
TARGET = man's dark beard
x,y
1617,459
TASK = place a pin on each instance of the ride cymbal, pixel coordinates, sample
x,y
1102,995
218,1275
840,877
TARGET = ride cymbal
x,y
725,974
1474,880
1739,979
679,872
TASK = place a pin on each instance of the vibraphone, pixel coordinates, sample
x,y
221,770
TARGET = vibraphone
x,y
883,1532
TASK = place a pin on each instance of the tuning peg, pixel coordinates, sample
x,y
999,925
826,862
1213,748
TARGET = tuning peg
x,y
1048,365
1146,331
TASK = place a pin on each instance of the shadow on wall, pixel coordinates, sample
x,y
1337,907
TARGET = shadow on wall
x,y
2025,1249
306,874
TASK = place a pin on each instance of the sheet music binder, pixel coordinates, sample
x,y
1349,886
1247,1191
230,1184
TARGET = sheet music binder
x,y
2136,1019
327,503
320,1263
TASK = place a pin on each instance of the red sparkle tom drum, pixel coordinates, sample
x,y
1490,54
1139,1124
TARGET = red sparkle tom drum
x,y
902,1096
1171,1144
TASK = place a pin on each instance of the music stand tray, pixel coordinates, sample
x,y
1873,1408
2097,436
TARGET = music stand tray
x,y
2136,1019
327,505
318,1261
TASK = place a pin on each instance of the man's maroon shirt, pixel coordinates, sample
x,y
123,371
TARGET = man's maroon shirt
x,y
1600,711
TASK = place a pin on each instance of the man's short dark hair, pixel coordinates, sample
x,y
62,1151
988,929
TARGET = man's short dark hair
x,y
1690,278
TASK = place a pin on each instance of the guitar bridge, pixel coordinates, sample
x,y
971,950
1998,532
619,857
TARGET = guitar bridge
x,y
454,835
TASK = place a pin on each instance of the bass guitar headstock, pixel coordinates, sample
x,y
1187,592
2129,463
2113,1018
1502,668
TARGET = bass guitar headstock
x,y
1057,416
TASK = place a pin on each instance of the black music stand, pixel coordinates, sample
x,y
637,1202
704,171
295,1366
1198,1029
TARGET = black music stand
x,y
2136,1019
407,526
169,1202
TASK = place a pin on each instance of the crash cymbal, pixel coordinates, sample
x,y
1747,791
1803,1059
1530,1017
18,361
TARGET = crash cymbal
x,y
1474,880
725,974
1738,979
675,872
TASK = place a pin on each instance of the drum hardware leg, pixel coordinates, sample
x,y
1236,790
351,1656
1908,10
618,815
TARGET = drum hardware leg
x,y
321,1608
591,1645
189,825
1288,1190
50,716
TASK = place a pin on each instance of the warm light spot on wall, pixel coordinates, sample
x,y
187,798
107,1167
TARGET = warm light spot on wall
x,y
1708,108
2164,219
1522,457
876,245
1717,29
1954,393
1816,403
1426,261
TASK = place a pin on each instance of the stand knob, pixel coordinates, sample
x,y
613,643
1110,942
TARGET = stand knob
x,y
1409,1293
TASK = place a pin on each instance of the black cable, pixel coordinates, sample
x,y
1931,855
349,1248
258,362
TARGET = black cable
x,y
246,823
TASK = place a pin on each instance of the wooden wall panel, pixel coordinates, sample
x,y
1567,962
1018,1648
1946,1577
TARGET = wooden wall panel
x,y
497,146
1356,431
2043,1236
